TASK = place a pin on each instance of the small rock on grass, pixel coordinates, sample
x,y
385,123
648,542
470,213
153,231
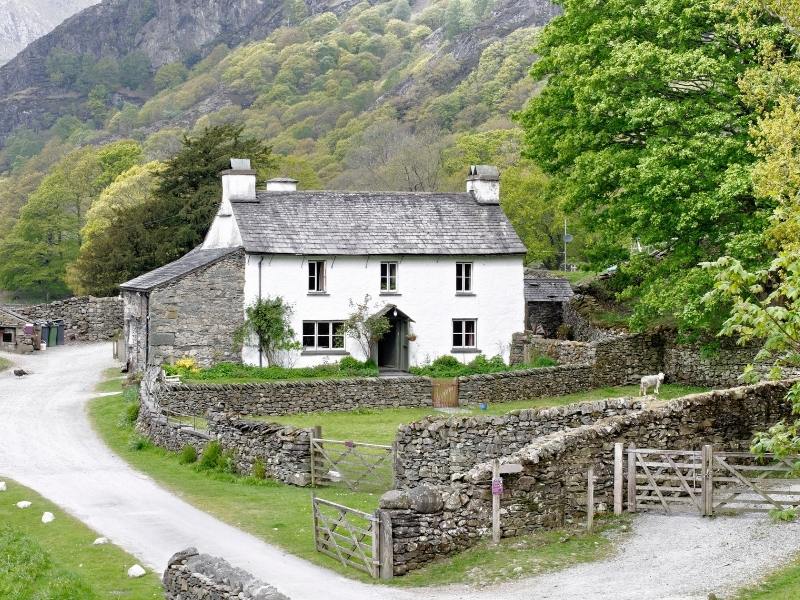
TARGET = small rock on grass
x,y
48,517
100,541
23,504
2,486
136,571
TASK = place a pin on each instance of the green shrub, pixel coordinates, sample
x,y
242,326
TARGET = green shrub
x,y
188,455
131,414
448,366
542,361
212,456
347,367
446,362
227,463
259,470
137,442
787,515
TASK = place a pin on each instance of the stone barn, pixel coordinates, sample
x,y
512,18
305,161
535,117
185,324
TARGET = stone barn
x,y
17,334
545,299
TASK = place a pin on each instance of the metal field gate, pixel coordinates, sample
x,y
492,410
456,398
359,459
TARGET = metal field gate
x,y
356,465
705,481
445,393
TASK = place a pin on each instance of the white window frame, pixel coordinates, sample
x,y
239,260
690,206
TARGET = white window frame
x,y
316,276
463,333
330,335
389,279
464,277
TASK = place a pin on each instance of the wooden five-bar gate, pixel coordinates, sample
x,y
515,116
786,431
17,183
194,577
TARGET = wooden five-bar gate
x,y
357,465
706,480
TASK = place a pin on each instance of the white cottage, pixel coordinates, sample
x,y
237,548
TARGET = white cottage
x,y
445,268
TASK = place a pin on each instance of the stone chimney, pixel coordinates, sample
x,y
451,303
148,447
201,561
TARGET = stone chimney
x,y
483,182
282,184
239,182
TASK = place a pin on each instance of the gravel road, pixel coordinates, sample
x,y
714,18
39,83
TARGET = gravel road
x,y
47,444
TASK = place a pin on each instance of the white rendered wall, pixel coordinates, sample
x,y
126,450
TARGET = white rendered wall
x,y
427,294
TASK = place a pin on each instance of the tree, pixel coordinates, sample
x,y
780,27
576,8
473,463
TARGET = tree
x,y
269,321
134,70
170,75
646,134
365,326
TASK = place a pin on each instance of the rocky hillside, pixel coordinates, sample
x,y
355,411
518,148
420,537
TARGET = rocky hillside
x,y
23,21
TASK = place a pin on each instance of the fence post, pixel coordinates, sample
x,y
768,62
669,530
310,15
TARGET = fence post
x,y
316,432
618,478
707,490
590,500
496,501
314,519
631,478
386,545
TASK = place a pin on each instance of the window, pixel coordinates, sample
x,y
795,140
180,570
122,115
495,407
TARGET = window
x,y
316,276
463,277
323,335
464,333
8,336
388,276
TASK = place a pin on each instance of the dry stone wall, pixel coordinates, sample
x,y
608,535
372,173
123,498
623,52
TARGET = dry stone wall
x,y
283,398
432,450
86,318
524,385
193,576
551,489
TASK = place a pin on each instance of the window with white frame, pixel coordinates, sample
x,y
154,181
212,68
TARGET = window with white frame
x,y
388,276
316,276
463,277
464,333
323,335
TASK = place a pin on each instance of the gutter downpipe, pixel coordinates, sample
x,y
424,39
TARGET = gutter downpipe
x,y
260,357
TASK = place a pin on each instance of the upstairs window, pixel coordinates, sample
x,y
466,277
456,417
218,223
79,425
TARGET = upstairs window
x,y
316,276
323,335
388,276
464,335
463,277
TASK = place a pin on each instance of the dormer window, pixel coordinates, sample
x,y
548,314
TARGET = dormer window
x,y
316,276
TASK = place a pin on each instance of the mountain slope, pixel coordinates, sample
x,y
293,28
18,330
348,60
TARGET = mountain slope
x,y
23,21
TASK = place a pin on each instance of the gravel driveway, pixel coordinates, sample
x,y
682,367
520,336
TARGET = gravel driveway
x,y
47,444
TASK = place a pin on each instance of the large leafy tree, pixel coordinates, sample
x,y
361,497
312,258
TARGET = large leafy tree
x,y
646,132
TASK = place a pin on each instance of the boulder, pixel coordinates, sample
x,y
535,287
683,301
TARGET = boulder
x,y
48,517
136,571
23,504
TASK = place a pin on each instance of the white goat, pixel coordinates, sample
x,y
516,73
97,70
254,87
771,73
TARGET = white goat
x,y
649,381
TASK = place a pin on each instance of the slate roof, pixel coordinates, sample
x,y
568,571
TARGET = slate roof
x,y
9,317
374,223
193,260
544,289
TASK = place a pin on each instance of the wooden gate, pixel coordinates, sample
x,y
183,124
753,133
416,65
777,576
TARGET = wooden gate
x,y
445,393
357,465
704,480
350,536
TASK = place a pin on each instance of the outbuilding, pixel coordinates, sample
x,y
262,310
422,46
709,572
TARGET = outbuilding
x,y
545,299
17,334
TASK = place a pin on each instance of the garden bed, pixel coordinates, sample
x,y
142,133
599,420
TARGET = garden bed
x,y
348,367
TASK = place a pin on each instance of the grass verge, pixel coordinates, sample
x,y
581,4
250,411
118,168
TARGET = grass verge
x,y
379,426
783,584
281,514
57,561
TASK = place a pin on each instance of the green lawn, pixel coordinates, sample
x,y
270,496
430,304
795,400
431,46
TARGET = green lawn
x,y
113,382
4,364
784,584
57,560
379,426
281,514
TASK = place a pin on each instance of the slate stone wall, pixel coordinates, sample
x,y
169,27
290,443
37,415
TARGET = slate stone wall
x,y
582,329
285,451
527,346
524,385
624,360
434,449
193,576
294,397
86,318
548,315
198,314
430,522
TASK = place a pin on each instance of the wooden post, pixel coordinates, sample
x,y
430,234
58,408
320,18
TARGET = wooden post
x,y
707,489
376,546
632,479
618,478
387,545
496,501
395,457
314,520
316,433
590,500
